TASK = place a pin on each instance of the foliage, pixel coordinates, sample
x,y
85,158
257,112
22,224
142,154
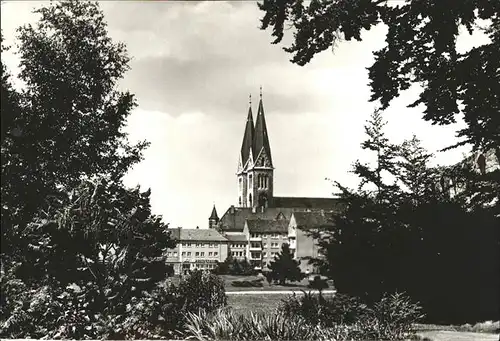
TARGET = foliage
x,y
64,205
202,290
405,230
225,325
340,309
318,283
309,318
393,317
199,290
234,266
110,260
421,49
247,284
284,267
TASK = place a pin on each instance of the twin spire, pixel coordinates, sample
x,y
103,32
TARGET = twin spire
x,y
255,137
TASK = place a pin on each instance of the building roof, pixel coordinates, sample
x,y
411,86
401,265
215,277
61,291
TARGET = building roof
x,y
214,215
234,218
303,202
197,235
309,220
261,139
248,137
267,225
236,237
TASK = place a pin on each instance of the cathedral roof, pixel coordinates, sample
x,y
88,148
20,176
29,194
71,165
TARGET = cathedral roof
x,y
234,218
248,138
304,202
214,215
261,139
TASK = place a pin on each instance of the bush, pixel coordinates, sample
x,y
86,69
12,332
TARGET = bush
x,y
337,310
248,284
389,319
226,325
318,283
392,318
200,290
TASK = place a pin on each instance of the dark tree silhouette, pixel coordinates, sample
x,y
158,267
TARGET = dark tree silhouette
x,y
284,267
78,247
421,49
407,233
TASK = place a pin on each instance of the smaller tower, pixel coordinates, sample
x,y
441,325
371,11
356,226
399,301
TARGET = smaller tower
x,y
214,219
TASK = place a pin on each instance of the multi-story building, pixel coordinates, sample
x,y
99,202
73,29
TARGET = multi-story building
x,y
197,249
259,225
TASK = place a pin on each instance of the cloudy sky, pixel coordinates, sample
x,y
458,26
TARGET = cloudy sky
x,y
194,65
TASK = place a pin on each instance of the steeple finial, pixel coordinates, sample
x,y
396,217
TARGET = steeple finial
x,y
261,92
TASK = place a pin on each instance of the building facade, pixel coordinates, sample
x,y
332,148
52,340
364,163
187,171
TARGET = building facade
x,y
197,249
259,224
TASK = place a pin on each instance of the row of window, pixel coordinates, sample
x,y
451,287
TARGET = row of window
x,y
196,254
259,245
265,254
264,235
239,245
200,245
237,253
204,266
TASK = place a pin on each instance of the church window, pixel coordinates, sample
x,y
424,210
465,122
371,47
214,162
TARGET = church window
x,y
266,183
239,201
240,183
250,199
250,181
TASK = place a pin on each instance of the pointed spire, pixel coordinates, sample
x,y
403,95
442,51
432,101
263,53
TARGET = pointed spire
x,y
261,139
214,215
248,136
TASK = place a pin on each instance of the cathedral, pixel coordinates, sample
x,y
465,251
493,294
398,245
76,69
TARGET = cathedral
x,y
260,222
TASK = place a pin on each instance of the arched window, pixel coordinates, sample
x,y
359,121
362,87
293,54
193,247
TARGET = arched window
x,y
240,183
250,181
239,201
250,199
266,182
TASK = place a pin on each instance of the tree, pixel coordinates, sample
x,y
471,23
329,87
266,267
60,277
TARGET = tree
x,y
284,267
64,205
70,117
421,49
409,232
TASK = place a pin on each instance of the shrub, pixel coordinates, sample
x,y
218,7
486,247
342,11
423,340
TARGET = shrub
x,y
391,318
315,308
200,290
248,284
226,325
318,283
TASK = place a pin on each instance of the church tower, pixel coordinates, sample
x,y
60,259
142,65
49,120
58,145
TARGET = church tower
x,y
213,220
260,173
245,160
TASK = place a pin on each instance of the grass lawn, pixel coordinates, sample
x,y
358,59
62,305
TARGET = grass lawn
x,y
244,304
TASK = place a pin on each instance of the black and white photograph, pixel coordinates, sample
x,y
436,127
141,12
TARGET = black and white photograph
x,y
289,170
